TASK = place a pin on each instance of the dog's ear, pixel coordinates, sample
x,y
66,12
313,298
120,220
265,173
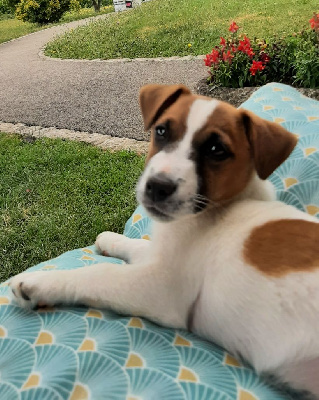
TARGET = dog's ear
x,y
155,99
270,143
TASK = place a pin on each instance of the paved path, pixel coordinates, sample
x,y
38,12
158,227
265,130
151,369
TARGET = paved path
x,y
89,96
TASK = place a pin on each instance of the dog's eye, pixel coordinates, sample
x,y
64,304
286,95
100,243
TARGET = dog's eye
x,y
215,149
161,131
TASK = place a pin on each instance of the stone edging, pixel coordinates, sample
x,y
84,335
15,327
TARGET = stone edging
x,y
105,142
118,60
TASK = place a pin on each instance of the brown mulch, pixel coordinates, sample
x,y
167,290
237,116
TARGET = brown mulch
x,y
237,96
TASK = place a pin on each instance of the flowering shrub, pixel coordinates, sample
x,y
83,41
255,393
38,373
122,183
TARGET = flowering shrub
x,y
42,11
239,61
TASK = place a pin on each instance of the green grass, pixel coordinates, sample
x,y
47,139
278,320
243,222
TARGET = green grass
x,y
58,195
167,27
12,28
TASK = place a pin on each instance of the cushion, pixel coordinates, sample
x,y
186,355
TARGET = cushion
x,y
85,353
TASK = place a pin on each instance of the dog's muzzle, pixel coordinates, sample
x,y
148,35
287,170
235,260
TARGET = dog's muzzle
x,y
159,188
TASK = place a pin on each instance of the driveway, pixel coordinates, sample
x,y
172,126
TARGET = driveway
x,y
90,96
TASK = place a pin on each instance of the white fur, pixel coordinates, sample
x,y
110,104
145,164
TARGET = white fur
x,y
195,265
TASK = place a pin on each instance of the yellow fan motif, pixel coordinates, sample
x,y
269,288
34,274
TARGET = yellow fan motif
x,y
131,398
267,108
313,118
33,381
88,345
286,99
136,218
134,361
49,267
279,120
298,108
289,182
146,237
79,393
276,89
44,338
3,332
87,251
135,323
180,341
4,300
243,395
310,150
87,258
231,361
187,375
312,210
94,313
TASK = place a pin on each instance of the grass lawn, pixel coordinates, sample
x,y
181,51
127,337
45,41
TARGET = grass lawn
x,y
168,27
13,28
57,195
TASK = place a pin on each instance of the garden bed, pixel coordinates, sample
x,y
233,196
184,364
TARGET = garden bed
x,y
237,96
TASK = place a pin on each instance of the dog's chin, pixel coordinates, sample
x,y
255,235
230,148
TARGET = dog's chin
x,y
171,212
157,214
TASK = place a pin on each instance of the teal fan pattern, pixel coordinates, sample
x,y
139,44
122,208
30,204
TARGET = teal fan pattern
x,y
78,353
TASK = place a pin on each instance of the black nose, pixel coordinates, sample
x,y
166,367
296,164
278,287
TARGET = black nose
x,y
159,188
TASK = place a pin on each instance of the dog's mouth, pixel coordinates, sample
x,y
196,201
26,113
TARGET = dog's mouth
x,y
169,211
158,213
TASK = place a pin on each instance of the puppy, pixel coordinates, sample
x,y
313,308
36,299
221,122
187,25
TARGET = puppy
x,y
226,261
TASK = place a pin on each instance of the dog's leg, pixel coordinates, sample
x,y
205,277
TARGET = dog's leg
x,y
130,289
119,246
304,376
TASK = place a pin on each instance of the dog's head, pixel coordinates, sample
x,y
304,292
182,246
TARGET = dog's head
x,y
202,151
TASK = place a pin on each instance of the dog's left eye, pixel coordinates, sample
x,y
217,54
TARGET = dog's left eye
x,y
215,149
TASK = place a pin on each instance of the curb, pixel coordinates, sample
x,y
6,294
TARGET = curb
x,y
118,60
105,142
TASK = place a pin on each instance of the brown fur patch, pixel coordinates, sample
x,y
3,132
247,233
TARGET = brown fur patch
x,y
224,180
283,246
177,117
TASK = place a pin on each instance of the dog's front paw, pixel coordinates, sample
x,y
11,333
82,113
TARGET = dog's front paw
x,y
109,243
33,289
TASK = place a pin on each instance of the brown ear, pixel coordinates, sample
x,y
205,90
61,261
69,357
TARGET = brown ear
x,y
155,99
271,144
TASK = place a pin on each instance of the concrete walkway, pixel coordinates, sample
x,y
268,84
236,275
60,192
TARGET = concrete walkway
x,y
85,96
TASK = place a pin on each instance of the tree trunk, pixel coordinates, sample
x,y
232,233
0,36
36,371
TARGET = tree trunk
x,y
96,5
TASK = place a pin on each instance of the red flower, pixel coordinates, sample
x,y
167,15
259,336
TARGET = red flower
x,y
264,57
227,56
314,22
223,41
233,48
245,47
212,58
256,66
233,27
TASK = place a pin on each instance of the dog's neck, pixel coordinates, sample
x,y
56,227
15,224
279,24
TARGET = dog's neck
x,y
257,189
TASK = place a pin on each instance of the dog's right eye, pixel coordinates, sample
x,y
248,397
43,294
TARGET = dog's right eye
x,y
161,132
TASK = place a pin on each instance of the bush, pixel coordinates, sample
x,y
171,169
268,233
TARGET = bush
x,y
7,7
239,61
42,11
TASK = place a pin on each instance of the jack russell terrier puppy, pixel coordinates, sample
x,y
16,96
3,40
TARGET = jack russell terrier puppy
x,y
226,260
